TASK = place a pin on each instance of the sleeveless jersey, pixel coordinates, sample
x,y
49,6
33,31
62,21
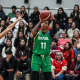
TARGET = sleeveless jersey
x,y
42,43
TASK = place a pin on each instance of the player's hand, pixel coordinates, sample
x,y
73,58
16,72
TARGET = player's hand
x,y
20,17
52,17
40,19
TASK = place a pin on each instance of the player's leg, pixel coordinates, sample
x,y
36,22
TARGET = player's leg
x,y
46,67
34,75
36,65
47,75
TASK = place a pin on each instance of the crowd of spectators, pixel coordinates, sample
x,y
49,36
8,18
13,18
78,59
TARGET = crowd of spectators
x,y
17,46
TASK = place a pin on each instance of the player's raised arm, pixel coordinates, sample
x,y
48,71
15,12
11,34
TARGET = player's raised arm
x,y
53,25
10,27
34,30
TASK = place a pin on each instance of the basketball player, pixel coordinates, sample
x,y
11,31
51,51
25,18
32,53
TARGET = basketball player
x,y
42,41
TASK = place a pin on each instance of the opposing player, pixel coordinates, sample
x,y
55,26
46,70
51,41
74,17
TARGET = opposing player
x,y
10,27
42,41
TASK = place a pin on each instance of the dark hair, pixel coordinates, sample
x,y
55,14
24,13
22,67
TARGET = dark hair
x,y
78,9
47,8
24,47
11,36
14,7
8,51
70,46
6,47
31,22
60,16
58,22
54,40
4,22
61,9
75,23
76,57
18,34
21,29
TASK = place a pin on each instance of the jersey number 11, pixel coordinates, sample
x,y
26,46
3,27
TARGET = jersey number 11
x,y
43,45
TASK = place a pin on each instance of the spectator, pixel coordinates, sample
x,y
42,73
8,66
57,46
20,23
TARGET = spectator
x,y
14,19
62,41
71,30
75,39
54,48
68,54
14,30
74,69
23,11
75,12
9,66
76,42
2,26
17,40
30,45
76,51
11,14
78,21
59,66
1,61
35,16
59,30
10,36
29,28
68,26
2,14
22,27
46,8
7,47
23,67
22,47
62,17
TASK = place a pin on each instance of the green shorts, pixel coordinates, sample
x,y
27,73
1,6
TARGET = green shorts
x,y
41,62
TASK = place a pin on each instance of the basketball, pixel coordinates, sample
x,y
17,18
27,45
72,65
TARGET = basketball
x,y
45,15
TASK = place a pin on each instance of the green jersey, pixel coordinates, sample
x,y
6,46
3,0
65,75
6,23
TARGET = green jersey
x,y
42,43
